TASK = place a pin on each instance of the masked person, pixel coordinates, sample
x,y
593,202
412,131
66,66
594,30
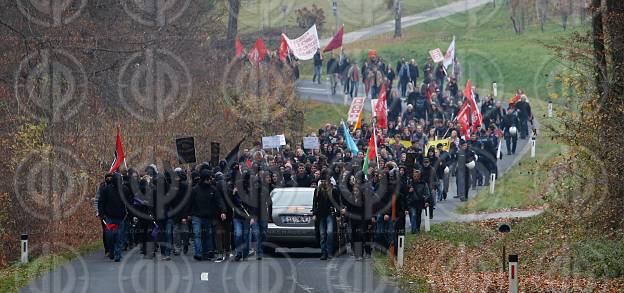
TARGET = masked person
x,y
510,131
243,194
418,198
112,208
465,162
323,212
181,203
262,204
107,180
206,208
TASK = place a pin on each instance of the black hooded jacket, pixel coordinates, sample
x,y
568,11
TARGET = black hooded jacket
x,y
206,202
111,203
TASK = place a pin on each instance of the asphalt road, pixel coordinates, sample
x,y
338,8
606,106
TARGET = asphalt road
x,y
296,271
300,272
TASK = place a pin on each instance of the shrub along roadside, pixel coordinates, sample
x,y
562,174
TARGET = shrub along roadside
x,y
17,275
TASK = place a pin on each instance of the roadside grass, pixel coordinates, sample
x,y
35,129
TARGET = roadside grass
x,y
18,275
455,233
523,185
408,283
317,114
258,15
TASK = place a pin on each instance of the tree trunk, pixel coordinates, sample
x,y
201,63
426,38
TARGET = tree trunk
x,y
599,47
610,112
615,29
232,29
397,18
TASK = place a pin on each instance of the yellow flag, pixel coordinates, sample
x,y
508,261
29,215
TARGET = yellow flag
x,y
358,123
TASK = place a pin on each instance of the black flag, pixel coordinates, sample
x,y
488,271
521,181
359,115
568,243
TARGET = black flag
x,y
232,156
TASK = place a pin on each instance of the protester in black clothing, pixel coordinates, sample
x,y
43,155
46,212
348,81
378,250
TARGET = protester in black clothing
x,y
418,197
510,131
206,208
413,72
318,64
323,210
112,209
524,115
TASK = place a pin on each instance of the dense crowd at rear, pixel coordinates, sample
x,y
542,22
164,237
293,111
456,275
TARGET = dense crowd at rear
x,y
426,136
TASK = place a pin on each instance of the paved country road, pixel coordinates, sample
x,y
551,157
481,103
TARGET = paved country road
x,y
296,271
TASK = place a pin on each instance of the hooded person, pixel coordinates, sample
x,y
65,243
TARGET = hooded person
x,y
323,209
465,159
207,208
112,209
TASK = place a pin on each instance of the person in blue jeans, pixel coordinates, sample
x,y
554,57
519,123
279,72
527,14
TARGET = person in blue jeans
x,y
322,209
207,207
262,210
242,195
241,237
112,209
203,237
318,65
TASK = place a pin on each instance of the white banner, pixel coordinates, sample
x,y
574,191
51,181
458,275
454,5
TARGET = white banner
x,y
373,105
450,54
304,47
311,143
436,55
357,105
273,142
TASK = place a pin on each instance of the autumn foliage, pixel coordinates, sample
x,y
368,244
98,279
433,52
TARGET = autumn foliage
x,y
64,88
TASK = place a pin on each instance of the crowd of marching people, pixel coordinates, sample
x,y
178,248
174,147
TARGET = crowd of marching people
x,y
373,174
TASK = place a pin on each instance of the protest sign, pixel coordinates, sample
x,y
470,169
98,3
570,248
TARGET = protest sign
x,y
305,46
311,143
436,55
357,105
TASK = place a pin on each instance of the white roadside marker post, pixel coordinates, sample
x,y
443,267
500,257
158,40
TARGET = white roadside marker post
x,y
513,273
401,250
494,89
24,247
550,109
533,147
492,182
427,222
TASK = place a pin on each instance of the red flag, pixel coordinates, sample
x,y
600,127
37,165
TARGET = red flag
x,y
119,153
463,120
336,41
474,109
381,110
283,49
372,148
262,50
239,48
513,100
258,52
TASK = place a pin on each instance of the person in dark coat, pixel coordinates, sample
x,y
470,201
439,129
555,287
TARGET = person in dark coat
x,y
323,210
524,116
418,197
462,171
112,208
318,64
510,122
206,207
243,213
261,209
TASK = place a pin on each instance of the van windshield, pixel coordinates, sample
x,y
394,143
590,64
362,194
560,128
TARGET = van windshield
x,y
294,197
